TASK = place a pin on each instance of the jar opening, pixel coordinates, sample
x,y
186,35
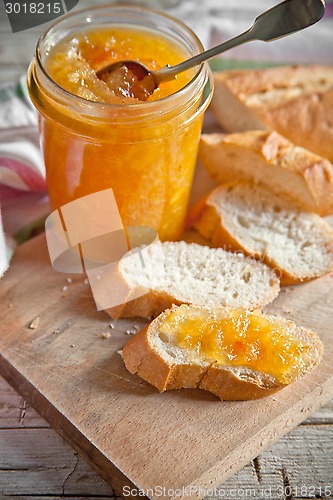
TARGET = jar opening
x,y
109,16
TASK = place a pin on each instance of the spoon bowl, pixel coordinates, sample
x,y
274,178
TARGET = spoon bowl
x,y
133,79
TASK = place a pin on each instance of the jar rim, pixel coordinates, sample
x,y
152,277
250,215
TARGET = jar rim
x,y
142,105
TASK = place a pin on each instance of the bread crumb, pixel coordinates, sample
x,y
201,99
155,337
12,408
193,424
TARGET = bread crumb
x,y
86,281
120,352
34,324
131,331
69,280
64,288
106,335
111,326
10,305
72,345
57,330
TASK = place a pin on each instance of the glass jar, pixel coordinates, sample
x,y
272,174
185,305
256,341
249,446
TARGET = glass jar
x,y
145,152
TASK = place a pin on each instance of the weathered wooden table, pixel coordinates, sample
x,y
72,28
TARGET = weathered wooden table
x,y
36,463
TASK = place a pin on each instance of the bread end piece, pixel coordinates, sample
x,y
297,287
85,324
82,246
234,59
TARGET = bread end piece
x,y
293,100
268,158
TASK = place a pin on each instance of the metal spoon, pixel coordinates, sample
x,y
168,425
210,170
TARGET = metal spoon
x,y
279,21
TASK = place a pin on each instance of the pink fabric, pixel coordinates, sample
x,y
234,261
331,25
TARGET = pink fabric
x,y
32,179
23,196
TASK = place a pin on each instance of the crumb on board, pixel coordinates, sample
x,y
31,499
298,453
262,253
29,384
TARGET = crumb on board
x,y
120,352
72,345
111,326
69,280
10,305
57,330
34,323
133,330
64,288
106,335
86,281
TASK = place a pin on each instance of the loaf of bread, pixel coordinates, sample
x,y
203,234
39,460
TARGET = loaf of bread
x,y
269,158
296,101
235,354
178,272
269,227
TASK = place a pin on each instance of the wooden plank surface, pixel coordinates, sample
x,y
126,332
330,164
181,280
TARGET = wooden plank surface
x,y
300,458
77,381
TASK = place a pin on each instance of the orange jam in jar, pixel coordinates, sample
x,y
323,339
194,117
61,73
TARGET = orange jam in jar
x,y
94,139
238,338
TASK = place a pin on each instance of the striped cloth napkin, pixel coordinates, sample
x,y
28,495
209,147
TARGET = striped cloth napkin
x,y
23,198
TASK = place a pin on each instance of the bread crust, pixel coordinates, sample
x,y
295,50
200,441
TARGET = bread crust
x,y
228,387
247,82
149,305
304,116
140,358
305,121
226,382
221,154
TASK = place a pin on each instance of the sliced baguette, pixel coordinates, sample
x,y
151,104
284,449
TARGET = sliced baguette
x,y
269,158
296,101
158,356
179,272
269,227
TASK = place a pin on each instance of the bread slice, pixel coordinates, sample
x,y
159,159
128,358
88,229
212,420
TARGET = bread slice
x,y
269,227
296,101
235,354
179,272
269,158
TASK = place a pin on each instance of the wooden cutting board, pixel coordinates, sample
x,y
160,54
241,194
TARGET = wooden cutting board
x,y
130,433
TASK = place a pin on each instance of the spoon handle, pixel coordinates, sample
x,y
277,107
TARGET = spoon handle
x,y
281,20
169,72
